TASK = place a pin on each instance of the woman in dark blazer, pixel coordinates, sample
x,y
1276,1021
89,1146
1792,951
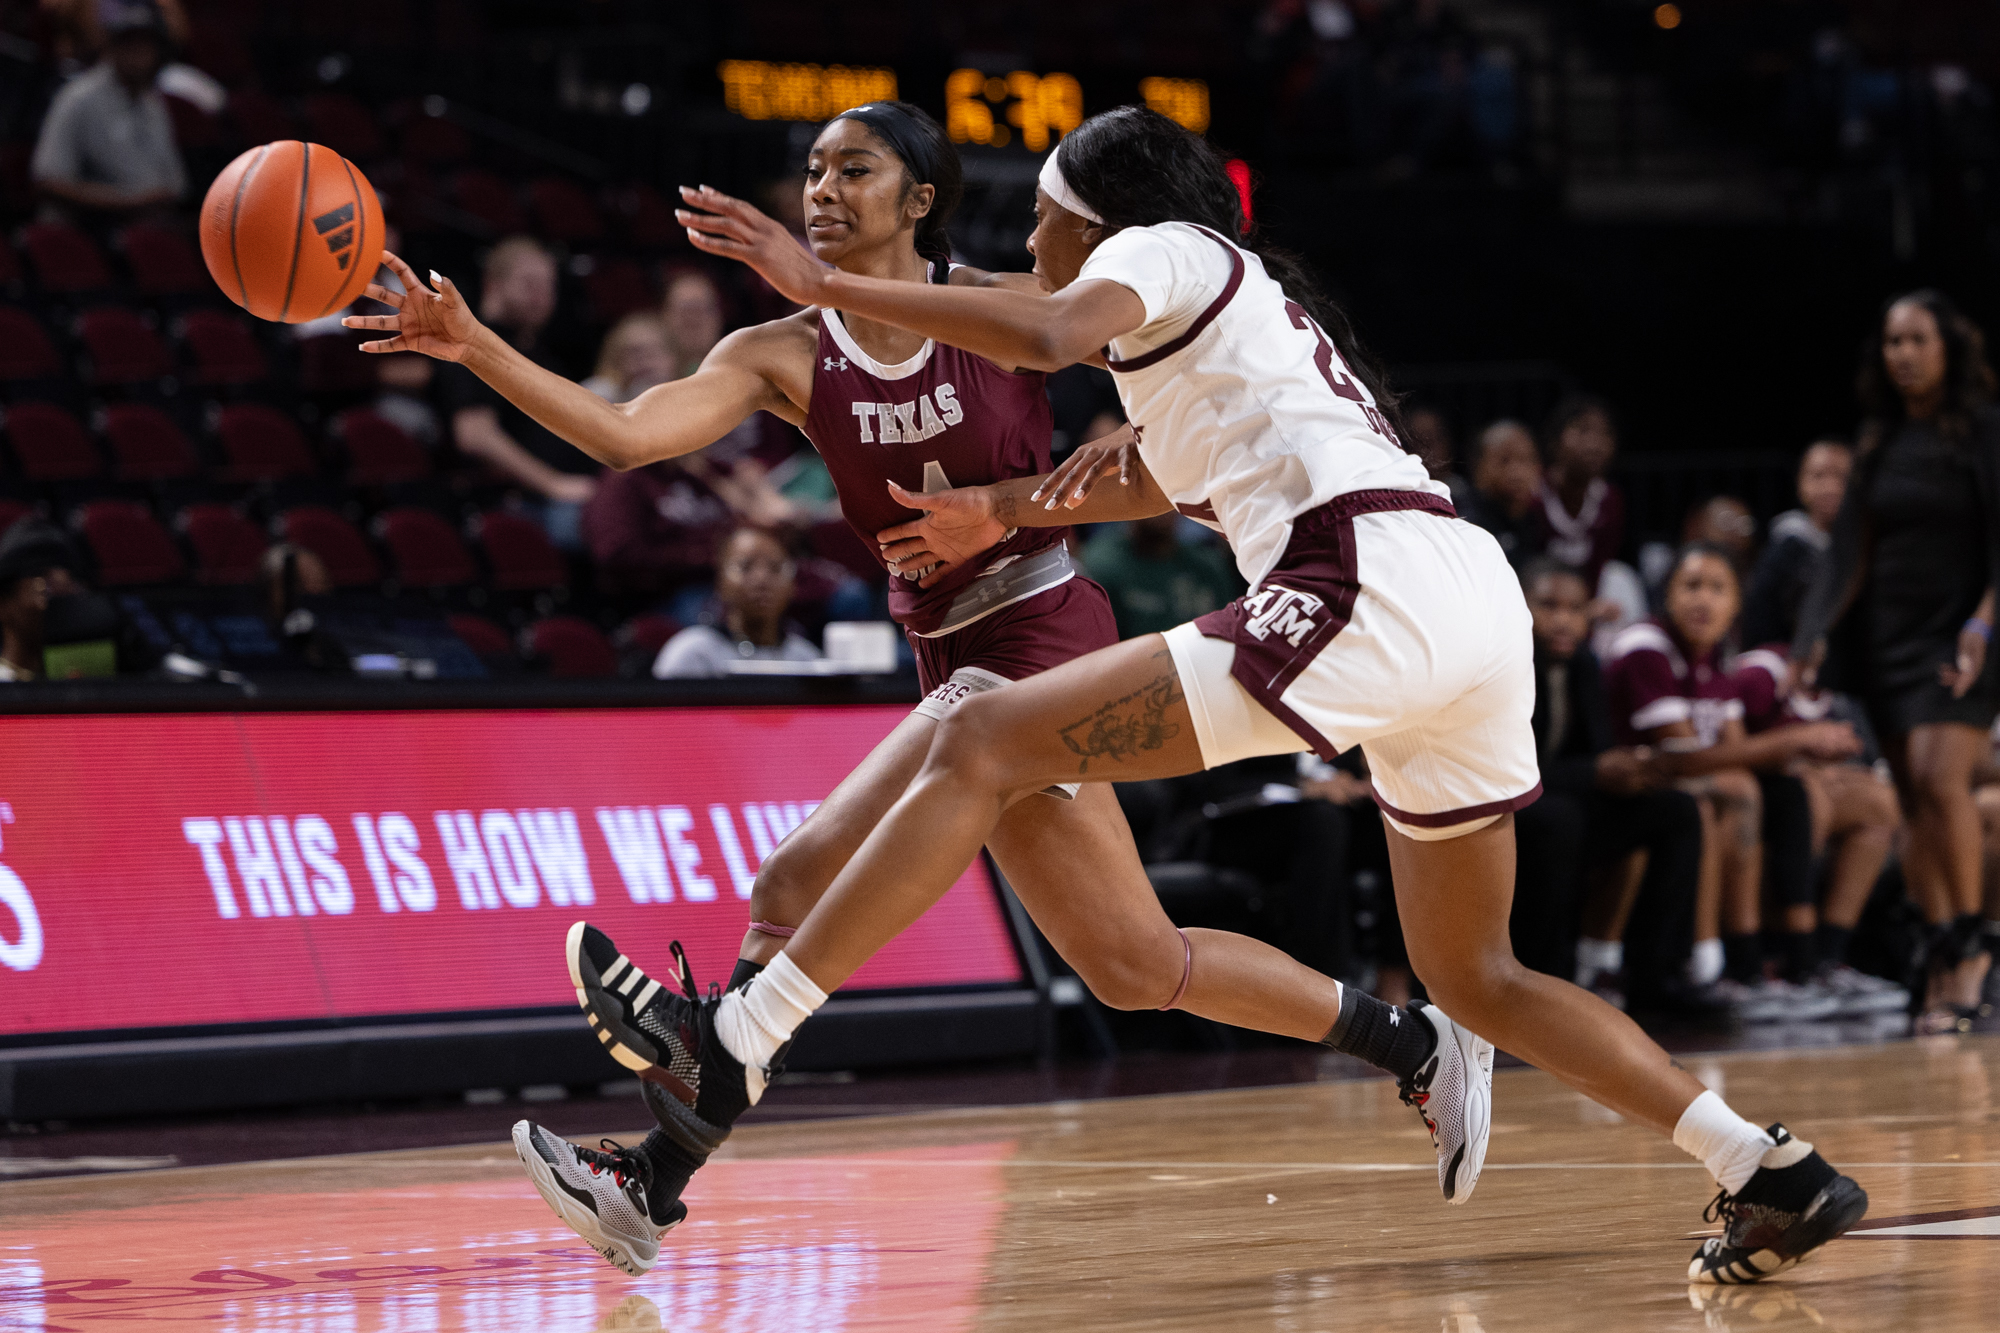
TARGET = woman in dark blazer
x,y
1902,611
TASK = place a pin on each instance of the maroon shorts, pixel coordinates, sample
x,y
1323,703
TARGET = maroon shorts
x,y
1023,639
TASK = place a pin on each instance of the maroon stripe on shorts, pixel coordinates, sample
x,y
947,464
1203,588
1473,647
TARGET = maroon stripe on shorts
x,y
1305,601
1464,815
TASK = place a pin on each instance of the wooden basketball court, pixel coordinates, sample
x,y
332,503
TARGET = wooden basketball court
x,y
1304,1209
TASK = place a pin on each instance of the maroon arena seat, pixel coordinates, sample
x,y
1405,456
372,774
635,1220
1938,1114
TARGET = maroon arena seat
x,y
520,553
65,260
163,264
488,198
645,635
131,547
379,452
259,117
564,211
571,647
227,546
434,141
123,347
481,635
193,127
216,45
334,540
50,445
221,349
617,287
344,125
261,444
146,445
427,551
12,512
25,350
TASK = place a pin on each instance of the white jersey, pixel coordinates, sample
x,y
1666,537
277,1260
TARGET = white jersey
x,y
1247,416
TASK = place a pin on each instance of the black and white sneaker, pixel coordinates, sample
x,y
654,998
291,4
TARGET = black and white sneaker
x,y
695,1087
1793,1205
1453,1092
602,1195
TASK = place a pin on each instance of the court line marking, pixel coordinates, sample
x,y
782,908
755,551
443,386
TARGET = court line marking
x,y
870,1160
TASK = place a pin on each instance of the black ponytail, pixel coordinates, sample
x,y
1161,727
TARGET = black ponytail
x,y
1136,168
929,158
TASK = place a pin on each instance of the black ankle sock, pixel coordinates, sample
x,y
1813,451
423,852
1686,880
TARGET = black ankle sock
x,y
1743,958
1833,941
1383,1035
1799,954
745,969
672,1167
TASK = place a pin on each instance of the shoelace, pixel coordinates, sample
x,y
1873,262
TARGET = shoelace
x,y
624,1164
686,974
1722,1208
1418,1100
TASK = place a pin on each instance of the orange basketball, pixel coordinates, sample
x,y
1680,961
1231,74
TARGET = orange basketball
x,y
292,231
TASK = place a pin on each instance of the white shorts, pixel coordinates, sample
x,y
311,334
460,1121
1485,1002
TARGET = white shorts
x,y
964,683
1383,626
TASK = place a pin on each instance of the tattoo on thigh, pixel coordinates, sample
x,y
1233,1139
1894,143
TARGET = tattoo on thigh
x,y
1124,727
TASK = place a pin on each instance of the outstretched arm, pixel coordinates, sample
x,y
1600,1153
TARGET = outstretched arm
x,y
666,421
1011,327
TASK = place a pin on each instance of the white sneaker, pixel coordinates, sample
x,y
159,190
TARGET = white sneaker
x,y
601,1195
1860,994
1775,1001
1453,1092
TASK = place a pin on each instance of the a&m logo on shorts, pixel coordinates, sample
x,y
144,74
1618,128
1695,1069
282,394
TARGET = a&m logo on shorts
x,y
1281,611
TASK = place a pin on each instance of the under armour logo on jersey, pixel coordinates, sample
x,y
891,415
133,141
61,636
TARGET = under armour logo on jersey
x,y
836,363
1283,612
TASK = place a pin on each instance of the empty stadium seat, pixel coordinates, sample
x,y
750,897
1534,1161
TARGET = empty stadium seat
x,y
146,445
570,648
261,444
131,547
221,349
259,117
227,545
25,350
481,635
426,549
162,263
488,198
379,452
344,551
123,347
50,444
522,557
617,287
12,512
641,638
564,211
66,262
344,125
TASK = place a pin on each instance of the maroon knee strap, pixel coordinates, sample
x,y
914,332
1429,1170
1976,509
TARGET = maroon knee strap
x,y
1187,970
767,928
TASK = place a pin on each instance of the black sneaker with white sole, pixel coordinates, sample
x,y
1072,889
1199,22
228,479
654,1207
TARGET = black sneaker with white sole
x,y
694,1086
1453,1092
1794,1204
600,1194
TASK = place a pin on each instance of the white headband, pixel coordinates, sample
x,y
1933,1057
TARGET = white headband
x,y
1057,188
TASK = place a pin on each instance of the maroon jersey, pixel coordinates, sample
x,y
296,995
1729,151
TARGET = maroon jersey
x,y
1652,680
874,424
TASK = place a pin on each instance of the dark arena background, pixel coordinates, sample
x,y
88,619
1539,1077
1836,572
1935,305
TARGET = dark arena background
x,y
334,688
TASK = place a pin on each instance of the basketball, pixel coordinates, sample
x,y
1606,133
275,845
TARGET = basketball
x,y
291,231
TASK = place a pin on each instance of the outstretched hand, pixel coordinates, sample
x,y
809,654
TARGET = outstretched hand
x,y
435,322
957,526
729,227
1071,483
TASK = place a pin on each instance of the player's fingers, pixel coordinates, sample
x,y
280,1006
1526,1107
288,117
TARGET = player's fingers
x,y
904,551
373,322
404,272
898,532
447,289
716,245
395,344
710,197
376,292
916,499
1065,475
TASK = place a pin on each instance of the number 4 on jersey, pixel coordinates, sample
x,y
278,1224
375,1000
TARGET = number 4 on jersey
x,y
1339,382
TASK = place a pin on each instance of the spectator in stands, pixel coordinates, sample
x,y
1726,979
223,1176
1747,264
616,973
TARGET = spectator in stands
x,y
1798,541
1839,810
107,144
517,300
1427,434
692,313
1506,479
29,553
1157,580
1582,511
1726,522
1619,801
754,580
1670,689
634,356
1902,609
291,577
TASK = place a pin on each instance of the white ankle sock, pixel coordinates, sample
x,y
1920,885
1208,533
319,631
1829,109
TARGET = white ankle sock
x,y
755,1021
1705,964
1727,1144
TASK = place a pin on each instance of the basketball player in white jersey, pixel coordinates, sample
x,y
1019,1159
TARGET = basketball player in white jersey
x,y
879,187
1373,618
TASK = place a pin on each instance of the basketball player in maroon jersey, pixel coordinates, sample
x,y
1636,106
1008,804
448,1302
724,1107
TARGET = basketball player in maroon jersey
x,y
888,409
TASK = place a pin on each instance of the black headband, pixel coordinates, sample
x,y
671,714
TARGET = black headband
x,y
898,129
